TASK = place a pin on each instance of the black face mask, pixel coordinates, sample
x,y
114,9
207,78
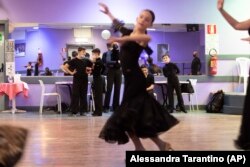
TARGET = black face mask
x,y
249,31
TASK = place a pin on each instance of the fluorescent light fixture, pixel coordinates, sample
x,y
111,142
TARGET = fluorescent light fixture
x,y
81,40
36,28
82,33
151,29
86,26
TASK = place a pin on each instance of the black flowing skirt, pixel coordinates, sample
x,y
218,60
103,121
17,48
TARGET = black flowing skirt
x,y
243,141
142,115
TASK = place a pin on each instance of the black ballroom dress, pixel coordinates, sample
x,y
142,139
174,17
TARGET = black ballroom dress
x,y
139,112
243,141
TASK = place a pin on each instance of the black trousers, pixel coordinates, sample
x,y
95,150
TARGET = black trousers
x,y
114,77
171,86
98,91
79,95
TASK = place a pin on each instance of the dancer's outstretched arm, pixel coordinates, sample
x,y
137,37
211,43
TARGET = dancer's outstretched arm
x,y
243,25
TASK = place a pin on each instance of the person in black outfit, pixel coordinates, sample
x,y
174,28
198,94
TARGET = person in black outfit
x,y
104,60
81,68
196,64
97,81
170,70
243,141
48,72
38,64
29,69
139,115
150,80
153,68
73,55
114,77
36,73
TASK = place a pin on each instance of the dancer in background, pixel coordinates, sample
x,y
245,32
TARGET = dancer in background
x,y
243,141
29,69
196,64
139,115
114,77
153,68
150,80
39,63
79,67
171,71
98,68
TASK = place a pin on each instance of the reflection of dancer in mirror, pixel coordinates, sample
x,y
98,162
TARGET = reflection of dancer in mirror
x,y
29,69
38,64
139,115
243,141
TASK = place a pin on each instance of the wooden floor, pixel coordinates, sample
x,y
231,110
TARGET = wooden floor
x,y
62,141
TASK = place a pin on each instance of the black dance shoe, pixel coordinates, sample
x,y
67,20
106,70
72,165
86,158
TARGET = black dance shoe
x,y
177,108
72,115
183,109
83,114
96,115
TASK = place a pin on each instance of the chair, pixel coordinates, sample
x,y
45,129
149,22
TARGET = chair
x,y
91,105
243,64
192,95
43,94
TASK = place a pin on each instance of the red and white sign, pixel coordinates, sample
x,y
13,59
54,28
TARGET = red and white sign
x,y
211,29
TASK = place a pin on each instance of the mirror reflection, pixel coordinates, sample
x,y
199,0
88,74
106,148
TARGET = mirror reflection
x,y
52,44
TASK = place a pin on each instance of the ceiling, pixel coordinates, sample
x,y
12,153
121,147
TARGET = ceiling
x,y
65,14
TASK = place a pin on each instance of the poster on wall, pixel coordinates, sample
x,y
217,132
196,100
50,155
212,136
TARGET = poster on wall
x,y
20,49
162,49
10,45
10,68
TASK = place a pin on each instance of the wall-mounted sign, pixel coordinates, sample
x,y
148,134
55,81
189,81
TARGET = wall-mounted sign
x,y
211,29
9,57
10,68
212,38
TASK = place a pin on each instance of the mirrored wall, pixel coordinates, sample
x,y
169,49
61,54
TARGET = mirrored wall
x,y
52,40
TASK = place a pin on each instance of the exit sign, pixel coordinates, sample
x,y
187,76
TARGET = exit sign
x,y
211,29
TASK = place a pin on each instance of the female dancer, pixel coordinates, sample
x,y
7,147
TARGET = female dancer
x,y
243,141
139,115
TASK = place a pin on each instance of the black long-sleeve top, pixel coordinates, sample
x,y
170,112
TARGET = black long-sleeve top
x,y
98,67
111,59
196,66
170,71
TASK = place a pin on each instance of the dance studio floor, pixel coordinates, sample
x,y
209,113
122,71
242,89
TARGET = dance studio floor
x,y
62,141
